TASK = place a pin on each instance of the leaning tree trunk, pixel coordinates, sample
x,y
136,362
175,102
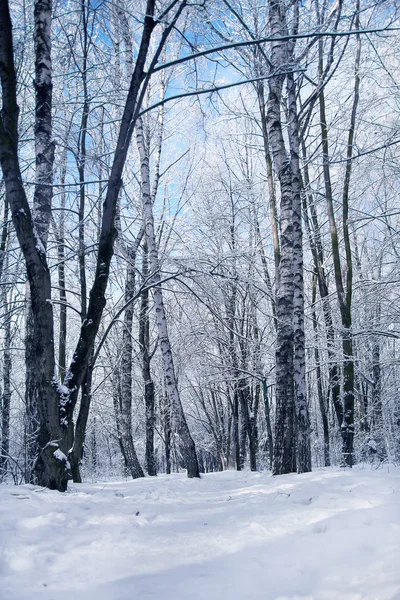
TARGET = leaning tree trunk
x,y
188,446
56,403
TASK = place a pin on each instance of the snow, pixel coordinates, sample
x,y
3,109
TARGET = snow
x,y
327,535
60,456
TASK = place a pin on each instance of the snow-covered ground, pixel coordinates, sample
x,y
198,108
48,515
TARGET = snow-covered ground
x,y
326,535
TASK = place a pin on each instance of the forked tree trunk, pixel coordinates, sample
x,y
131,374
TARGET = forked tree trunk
x,y
318,257
55,404
343,289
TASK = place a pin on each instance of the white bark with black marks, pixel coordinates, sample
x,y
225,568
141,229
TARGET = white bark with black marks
x,y
187,443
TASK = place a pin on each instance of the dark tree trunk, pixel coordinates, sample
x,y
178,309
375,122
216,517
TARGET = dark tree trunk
x,y
130,456
6,396
144,342
236,437
7,362
318,257
377,413
321,401
55,405
76,453
270,440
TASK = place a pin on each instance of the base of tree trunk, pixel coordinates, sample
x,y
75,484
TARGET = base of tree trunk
x,y
52,469
190,458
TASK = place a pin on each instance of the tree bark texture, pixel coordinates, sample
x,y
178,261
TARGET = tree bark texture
x,y
284,451
299,358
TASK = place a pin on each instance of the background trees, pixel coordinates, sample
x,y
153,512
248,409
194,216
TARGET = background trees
x,y
192,240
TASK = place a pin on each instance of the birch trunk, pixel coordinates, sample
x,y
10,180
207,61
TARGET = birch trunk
x,y
271,189
43,196
166,421
284,451
299,359
188,446
56,404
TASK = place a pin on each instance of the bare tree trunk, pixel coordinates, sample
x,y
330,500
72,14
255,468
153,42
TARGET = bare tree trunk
x,y
236,437
246,423
344,291
56,404
322,406
6,396
76,452
144,342
188,446
131,459
60,238
44,145
284,461
318,257
299,359
271,188
377,412
270,440
166,422
117,412
43,196
7,362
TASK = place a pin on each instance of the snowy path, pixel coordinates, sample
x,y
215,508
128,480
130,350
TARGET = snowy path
x,y
327,535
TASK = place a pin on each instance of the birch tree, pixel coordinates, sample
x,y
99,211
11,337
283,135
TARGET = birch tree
x,y
56,403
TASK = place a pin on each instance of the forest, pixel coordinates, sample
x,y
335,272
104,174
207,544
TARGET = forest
x,y
199,252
